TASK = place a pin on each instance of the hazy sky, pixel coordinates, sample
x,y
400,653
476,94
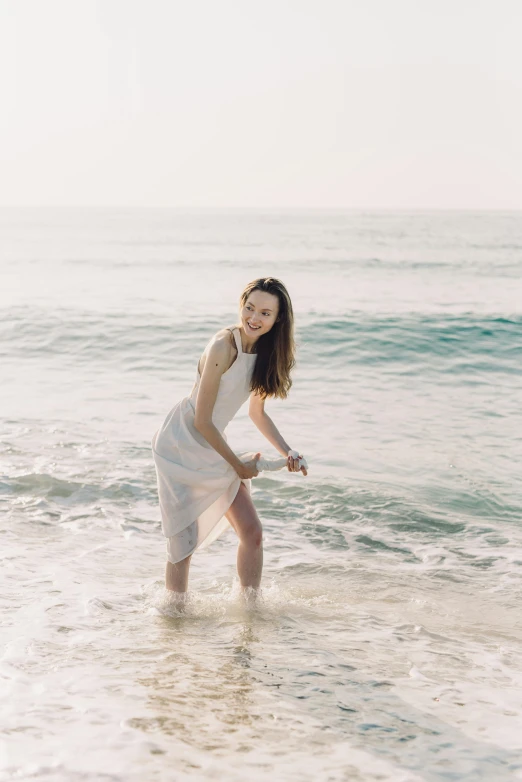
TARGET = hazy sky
x,y
279,103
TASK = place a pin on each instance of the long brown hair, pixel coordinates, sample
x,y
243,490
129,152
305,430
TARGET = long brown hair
x,y
275,349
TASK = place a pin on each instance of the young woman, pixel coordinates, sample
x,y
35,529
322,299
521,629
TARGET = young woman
x,y
203,486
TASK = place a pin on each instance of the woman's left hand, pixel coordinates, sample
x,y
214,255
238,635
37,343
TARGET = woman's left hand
x,y
293,464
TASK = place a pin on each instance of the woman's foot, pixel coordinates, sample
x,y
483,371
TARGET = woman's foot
x,y
251,596
177,600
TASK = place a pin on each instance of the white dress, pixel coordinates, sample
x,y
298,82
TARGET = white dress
x,y
196,485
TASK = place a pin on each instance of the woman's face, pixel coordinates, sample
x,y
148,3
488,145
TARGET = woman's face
x,y
259,313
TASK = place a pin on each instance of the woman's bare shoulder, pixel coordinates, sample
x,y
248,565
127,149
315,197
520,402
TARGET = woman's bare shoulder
x,y
224,336
221,347
222,341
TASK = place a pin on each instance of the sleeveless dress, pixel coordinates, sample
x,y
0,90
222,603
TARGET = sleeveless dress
x,y
196,485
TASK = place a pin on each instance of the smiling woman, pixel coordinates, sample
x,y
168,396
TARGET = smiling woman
x,y
203,485
266,304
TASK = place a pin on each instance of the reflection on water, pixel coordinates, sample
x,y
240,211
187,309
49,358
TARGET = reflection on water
x,y
201,702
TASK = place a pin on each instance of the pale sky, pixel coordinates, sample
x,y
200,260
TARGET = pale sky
x,y
280,103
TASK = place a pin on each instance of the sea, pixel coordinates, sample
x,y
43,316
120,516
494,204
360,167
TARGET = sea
x,y
386,643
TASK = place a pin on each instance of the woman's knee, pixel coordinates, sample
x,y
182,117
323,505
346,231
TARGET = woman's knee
x,y
252,534
243,517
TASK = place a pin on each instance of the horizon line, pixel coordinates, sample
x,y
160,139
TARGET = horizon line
x,y
266,208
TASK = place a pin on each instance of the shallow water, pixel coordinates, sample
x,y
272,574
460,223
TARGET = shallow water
x,y
387,643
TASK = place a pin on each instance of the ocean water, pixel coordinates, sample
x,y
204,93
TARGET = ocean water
x,y
387,643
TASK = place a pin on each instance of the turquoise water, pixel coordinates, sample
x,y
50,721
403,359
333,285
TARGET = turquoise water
x,y
387,645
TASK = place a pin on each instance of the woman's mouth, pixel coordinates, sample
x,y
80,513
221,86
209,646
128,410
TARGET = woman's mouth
x,y
253,328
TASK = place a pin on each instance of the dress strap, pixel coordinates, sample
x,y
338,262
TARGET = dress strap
x,y
237,340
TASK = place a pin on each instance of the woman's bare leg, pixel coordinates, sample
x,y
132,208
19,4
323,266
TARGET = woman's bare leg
x,y
243,517
176,575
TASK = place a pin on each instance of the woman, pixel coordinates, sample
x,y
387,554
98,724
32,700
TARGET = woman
x,y
203,486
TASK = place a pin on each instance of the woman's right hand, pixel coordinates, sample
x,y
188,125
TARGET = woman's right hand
x,y
248,469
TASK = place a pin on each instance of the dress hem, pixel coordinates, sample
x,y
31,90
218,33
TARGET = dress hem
x,y
202,544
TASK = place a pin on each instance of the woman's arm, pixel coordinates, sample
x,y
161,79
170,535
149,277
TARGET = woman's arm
x,y
216,363
266,426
